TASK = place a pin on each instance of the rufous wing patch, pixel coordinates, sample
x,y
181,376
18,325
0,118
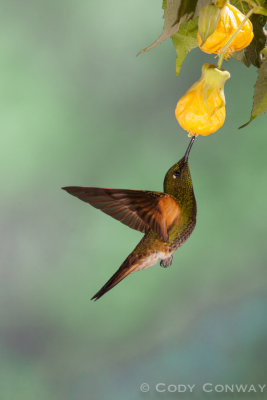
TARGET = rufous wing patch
x,y
170,210
139,209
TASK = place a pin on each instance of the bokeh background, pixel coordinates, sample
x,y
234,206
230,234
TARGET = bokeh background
x,y
78,108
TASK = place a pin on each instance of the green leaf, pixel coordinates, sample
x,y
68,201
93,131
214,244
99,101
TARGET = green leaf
x,y
184,41
261,10
262,5
175,13
242,6
260,91
252,3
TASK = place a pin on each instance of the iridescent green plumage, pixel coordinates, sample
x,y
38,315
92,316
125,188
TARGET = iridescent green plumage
x,y
167,218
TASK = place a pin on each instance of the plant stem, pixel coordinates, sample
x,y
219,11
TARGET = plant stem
x,y
220,61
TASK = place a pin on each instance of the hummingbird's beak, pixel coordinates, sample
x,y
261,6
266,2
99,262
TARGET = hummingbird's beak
x,y
189,148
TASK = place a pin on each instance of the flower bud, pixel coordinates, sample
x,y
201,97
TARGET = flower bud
x,y
201,111
228,22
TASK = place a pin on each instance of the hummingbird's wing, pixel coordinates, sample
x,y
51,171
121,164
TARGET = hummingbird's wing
x,y
139,209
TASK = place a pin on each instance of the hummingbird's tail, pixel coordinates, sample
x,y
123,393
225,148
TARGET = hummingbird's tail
x,y
125,269
134,262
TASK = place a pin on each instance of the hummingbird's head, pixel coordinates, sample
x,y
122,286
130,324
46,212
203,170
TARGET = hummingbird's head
x,y
178,179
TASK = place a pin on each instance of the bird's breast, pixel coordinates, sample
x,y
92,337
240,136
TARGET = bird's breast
x,y
179,234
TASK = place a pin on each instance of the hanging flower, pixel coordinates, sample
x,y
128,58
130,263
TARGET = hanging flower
x,y
201,111
229,20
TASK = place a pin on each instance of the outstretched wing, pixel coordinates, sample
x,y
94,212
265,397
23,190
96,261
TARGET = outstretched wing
x,y
139,209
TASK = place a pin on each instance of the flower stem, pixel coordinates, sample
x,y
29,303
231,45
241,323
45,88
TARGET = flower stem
x,y
222,52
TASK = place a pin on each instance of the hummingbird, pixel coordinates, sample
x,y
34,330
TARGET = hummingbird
x,y
166,218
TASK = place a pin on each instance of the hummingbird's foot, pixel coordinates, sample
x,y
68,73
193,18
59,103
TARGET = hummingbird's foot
x,y
166,262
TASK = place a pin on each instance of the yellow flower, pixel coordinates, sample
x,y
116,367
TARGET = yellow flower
x,y
201,111
229,20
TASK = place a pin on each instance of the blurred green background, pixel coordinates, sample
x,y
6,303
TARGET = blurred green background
x,y
78,108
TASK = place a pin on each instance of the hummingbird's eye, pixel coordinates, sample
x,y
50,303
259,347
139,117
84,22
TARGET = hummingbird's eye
x,y
176,173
